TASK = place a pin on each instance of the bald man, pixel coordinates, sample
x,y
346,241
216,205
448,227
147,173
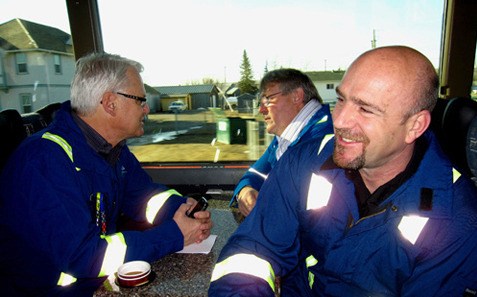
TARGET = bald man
x,y
377,211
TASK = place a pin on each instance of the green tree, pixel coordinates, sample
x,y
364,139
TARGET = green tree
x,y
246,83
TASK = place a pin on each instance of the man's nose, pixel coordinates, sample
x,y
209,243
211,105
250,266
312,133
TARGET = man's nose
x,y
146,109
262,109
343,117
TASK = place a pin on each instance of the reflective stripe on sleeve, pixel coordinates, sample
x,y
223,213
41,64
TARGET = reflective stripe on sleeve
x,y
262,175
411,227
66,279
156,202
246,264
319,192
114,255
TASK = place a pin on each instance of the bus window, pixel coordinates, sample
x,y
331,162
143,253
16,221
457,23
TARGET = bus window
x,y
192,52
195,52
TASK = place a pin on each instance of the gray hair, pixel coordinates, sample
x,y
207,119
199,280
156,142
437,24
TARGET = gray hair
x,y
95,75
290,79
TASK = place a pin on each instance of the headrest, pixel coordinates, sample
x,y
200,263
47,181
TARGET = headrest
x,y
15,127
454,123
471,147
12,133
36,121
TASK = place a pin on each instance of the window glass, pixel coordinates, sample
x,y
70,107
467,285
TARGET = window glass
x,y
21,59
26,103
473,90
32,46
57,61
194,52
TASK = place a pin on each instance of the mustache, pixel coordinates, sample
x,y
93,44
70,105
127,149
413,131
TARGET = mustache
x,y
348,134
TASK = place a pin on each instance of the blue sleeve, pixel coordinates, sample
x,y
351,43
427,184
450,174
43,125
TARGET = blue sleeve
x,y
139,188
263,165
165,237
272,230
59,219
48,192
154,243
452,270
238,285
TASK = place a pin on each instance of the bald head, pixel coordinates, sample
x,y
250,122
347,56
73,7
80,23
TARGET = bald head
x,y
414,78
384,105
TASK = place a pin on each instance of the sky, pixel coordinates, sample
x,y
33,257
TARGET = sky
x,y
184,41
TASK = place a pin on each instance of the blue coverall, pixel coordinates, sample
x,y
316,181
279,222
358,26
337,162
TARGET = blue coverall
x,y
318,126
59,206
306,229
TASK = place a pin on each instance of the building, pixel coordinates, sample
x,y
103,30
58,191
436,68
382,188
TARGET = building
x,y
36,65
194,96
326,82
153,97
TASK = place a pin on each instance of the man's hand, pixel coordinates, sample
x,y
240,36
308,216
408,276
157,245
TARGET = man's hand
x,y
246,198
193,230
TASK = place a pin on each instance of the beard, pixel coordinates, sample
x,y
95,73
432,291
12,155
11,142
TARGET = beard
x,y
338,153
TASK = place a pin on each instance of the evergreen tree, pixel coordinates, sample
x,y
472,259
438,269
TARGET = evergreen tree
x,y
246,83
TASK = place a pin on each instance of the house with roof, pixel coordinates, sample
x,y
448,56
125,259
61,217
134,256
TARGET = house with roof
x,y
326,82
36,65
194,96
153,96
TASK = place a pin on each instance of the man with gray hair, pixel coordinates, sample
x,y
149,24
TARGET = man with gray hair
x,y
66,188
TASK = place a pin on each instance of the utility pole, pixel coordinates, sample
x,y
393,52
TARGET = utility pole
x,y
373,42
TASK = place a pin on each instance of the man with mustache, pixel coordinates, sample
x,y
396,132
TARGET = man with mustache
x,y
378,211
294,112
66,188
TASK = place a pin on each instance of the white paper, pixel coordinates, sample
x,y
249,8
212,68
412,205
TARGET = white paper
x,y
200,248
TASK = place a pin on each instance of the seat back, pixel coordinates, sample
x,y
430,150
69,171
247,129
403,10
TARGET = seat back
x,y
454,122
14,127
11,133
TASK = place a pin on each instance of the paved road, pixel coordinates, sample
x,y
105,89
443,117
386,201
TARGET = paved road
x,y
187,136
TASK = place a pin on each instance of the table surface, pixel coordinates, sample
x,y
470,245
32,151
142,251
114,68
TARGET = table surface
x,y
185,274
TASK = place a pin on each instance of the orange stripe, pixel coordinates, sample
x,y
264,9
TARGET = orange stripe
x,y
195,167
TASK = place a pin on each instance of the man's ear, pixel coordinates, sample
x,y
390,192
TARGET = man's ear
x,y
298,95
417,125
109,103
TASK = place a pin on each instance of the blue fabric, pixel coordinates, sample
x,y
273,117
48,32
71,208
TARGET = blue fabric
x,y
312,130
48,221
359,257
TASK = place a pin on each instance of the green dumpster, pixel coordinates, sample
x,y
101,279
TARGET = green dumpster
x,y
232,130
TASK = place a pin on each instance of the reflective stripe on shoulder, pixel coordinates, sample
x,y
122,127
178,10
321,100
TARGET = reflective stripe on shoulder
x,y
156,202
65,279
62,143
325,140
319,192
114,255
455,175
246,264
322,120
411,227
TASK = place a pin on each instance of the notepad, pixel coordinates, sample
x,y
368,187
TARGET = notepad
x,y
200,248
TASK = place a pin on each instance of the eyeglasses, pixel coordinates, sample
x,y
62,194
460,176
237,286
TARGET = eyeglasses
x,y
143,100
267,99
